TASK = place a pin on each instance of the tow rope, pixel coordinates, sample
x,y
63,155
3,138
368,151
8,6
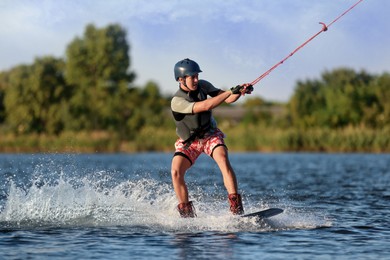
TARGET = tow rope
x,y
324,28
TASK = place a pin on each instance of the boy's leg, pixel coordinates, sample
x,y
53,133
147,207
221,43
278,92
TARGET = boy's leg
x,y
180,165
220,155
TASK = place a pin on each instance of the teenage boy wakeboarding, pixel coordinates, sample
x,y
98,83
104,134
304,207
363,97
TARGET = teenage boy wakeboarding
x,y
198,132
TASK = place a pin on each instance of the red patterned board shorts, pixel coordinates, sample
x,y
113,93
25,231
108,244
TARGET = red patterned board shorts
x,y
205,145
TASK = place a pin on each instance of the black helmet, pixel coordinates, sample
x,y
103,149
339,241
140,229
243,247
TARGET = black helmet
x,y
186,67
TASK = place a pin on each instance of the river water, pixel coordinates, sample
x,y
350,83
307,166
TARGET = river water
x,y
122,206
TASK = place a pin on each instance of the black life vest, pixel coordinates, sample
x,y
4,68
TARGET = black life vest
x,y
192,126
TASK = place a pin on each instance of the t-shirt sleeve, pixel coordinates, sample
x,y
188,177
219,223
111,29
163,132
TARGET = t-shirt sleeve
x,y
209,88
181,105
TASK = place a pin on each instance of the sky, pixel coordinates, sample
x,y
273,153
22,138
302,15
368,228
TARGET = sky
x,y
233,41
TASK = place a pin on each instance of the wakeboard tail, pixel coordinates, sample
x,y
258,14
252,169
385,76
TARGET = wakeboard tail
x,y
264,213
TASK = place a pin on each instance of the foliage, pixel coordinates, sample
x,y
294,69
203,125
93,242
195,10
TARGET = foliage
x,y
91,91
97,71
36,97
3,82
87,103
341,98
349,139
239,138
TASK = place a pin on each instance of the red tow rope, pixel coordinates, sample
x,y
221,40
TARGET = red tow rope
x,y
324,28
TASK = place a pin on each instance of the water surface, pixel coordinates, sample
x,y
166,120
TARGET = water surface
x,y
120,206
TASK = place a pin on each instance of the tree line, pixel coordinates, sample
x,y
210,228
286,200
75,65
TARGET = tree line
x,y
92,89
341,98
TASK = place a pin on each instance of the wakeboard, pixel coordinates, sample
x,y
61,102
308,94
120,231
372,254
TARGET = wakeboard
x,y
264,213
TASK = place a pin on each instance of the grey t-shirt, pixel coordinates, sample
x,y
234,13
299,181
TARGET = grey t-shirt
x,y
181,105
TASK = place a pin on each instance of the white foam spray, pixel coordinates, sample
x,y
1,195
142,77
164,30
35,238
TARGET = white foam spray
x,y
144,204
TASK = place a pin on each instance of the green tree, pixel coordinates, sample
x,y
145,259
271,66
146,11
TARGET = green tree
x,y
341,97
152,104
379,113
97,70
36,97
16,100
143,107
346,93
3,85
307,103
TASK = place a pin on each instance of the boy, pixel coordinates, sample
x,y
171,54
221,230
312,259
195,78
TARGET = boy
x,y
198,132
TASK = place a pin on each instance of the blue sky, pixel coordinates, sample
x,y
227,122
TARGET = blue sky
x,y
234,41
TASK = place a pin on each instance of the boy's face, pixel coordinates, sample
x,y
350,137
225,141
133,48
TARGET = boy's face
x,y
191,82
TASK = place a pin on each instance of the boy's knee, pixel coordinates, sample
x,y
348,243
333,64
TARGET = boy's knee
x,y
176,174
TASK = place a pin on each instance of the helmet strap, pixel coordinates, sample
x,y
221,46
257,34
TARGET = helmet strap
x,y
185,83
